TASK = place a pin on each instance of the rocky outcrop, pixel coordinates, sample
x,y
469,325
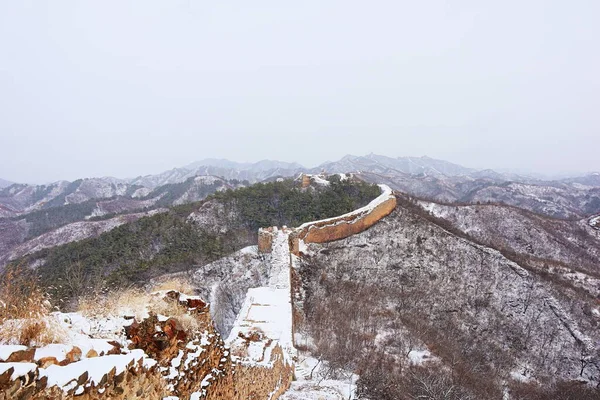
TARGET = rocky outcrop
x,y
165,356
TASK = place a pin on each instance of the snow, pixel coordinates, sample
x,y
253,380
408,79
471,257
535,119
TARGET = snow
x,y
594,222
96,368
59,351
319,180
78,331
207,179
141,192
318,387
418,357
20,369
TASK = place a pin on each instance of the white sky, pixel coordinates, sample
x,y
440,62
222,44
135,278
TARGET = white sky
x,y
126,88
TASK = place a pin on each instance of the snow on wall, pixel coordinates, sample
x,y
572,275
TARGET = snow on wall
x,y
343,226
154,358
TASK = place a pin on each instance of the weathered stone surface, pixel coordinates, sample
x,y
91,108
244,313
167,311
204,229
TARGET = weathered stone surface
x,y
73,355
45,362
265,240
91,354
22,356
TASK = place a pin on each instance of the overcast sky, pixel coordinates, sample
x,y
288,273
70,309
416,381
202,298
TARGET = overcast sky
x,y
125,88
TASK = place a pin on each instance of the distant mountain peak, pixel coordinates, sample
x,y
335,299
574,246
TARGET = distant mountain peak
x,y
4,183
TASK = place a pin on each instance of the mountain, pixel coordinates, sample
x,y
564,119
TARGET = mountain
x,y
21,198
381,164
251,174
416,304
36,217
260,166
562,199
268,169
592,179
4,183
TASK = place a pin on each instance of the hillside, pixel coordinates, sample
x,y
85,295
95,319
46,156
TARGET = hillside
x,y
572,242
438,310
567,200
54,223
190,235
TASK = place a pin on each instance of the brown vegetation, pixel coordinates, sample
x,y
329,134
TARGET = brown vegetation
x,y
25,310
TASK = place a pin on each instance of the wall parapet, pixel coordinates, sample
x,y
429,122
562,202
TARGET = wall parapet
x,y
343,226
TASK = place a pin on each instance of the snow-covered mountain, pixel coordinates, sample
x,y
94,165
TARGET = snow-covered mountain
x,y
4,183
422,176
260,166
252,173
36,217
563,199
419,284
21,198
381,164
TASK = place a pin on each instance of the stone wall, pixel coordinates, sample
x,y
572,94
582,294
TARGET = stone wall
x,y
265,239
171,360
256,382
346,225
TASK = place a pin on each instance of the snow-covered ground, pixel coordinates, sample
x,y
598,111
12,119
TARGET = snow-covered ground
x,y
594,222
81,346
267,311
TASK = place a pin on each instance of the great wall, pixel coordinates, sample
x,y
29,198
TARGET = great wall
x,y
159,359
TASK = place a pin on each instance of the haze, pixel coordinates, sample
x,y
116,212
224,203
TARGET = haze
x,y
127,88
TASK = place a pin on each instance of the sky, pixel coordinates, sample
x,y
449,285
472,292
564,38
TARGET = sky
x,y
126,88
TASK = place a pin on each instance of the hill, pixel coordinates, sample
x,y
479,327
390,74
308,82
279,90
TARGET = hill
x,y
190,235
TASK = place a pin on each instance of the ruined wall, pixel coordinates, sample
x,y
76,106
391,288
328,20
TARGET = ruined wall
x,y
248,381
167,359
134,382
265,240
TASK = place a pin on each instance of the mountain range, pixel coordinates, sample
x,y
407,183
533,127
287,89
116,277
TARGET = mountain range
x,y
488,281
65,211
420,176
373,163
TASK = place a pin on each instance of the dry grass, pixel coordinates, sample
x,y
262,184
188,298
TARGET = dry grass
x,y
25,310
170,308
128,302
32,332
137,303
179,284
